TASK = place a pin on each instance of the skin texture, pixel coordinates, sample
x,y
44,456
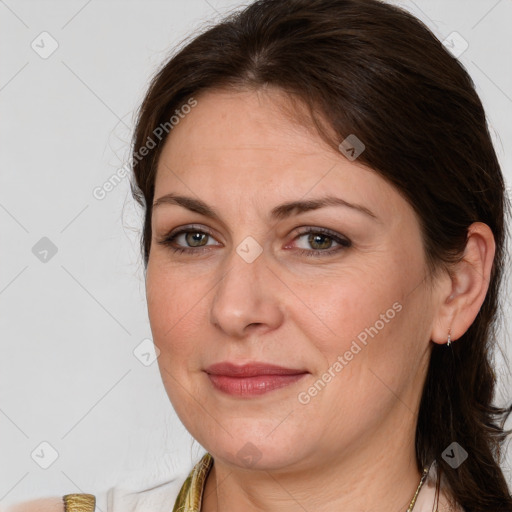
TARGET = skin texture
x,y
54,504
351,447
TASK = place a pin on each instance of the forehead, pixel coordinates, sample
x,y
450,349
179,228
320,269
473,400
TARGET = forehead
x,y
225,123
233,144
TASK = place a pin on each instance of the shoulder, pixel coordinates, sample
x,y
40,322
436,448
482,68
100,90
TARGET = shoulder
x,y
54,504
428,496
154,489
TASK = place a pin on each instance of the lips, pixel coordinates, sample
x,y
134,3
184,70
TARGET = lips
x,y
252,378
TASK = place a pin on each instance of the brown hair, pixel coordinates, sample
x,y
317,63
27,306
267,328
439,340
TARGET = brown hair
x,y
374,70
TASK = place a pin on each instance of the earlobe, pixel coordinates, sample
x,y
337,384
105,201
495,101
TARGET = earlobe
x,y
469,282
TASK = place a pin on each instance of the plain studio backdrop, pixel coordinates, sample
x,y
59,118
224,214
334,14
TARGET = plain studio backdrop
x,y
81,400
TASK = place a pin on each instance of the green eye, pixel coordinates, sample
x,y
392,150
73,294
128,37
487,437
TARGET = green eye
x,y
322,238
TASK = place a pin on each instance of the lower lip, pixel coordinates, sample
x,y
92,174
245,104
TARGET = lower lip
x,y
251,386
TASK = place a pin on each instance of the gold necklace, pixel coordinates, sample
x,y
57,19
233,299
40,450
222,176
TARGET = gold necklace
x,y
422,480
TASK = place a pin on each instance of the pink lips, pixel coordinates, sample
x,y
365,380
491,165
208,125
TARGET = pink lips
x,y
252,378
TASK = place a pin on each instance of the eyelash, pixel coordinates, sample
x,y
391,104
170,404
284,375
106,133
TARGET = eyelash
x,y
344,243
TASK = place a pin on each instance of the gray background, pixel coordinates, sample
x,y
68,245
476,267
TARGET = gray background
x,y
71,321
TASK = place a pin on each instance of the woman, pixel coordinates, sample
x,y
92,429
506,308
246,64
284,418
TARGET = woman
x,y
324,244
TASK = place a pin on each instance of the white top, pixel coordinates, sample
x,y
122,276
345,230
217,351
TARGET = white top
x,y
145,493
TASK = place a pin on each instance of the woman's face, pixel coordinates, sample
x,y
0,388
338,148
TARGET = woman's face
x,y
348,305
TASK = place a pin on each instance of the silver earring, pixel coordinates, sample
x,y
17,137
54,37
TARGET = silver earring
x,y
448,343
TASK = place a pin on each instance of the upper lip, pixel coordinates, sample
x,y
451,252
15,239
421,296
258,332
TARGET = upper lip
x,y
250,369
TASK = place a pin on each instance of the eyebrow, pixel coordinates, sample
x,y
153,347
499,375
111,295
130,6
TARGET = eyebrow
x,y
278,213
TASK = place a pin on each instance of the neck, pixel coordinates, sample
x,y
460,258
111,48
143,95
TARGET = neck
x,y
369,478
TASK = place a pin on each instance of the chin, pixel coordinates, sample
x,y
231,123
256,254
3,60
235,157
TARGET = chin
x,y
250,446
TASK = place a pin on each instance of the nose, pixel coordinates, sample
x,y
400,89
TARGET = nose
x,y
247,298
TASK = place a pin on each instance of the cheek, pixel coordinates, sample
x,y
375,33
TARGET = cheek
x,y
353,304
382,346
369,317
174,307
173,301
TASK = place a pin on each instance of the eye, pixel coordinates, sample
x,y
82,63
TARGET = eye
x,y
196,238
321,239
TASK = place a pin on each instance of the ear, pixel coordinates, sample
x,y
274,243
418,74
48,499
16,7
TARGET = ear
x,y
463,294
